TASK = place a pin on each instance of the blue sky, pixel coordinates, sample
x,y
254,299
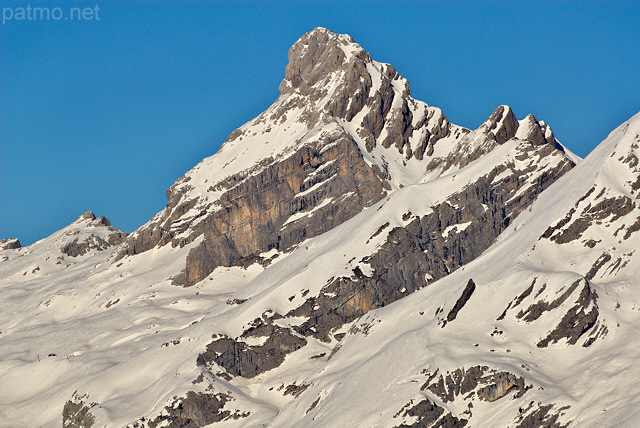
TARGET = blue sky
x,y
105,114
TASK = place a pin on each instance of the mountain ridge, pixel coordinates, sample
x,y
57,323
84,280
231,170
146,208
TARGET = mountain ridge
x,y
348,242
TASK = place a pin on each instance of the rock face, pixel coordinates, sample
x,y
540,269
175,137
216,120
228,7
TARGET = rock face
x,y
240,359
312,191
196,409
502,125
354,120
466,384
489,385
428,414
77,413
10,244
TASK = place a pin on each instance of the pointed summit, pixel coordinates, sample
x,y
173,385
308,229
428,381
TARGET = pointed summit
x,y
536,132
315,55
89,215
502,124
90,218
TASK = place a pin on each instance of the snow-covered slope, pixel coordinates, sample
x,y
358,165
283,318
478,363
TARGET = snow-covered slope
x,y
554,309
348,258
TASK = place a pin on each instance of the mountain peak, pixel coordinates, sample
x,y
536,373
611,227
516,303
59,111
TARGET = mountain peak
x,y
535,131
317,54
90,218
502,124
89,215
321,33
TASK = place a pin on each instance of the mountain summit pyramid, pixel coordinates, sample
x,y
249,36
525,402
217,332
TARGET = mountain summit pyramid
x,y
347,258
344,133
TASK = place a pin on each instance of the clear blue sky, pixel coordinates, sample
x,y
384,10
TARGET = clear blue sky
x,y
105,114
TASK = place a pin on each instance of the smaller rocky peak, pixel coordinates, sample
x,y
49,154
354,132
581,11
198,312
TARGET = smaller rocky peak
x,y
90,219
89,233
502,125
536,132
89,215
549,136
10,244
315,55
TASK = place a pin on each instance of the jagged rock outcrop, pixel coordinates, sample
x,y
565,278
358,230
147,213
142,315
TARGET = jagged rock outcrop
x,y
545,416
465,385
89,242
77,412
428,414
240,359
195,410
536,132
462,300
502,125
352,105
499,128
488,384
10,244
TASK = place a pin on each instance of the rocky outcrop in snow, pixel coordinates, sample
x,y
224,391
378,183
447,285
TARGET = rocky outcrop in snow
x,y
10,244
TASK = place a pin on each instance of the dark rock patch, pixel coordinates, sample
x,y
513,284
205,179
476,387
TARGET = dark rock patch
x,y
576,321
426,412
295,389
516,302
240,359
609,208
536,310
602,260
10,244
76,413
488,384
541,418
196,410
634,227
462,300
78,248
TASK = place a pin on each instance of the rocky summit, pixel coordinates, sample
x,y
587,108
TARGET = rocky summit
x,y
347,258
